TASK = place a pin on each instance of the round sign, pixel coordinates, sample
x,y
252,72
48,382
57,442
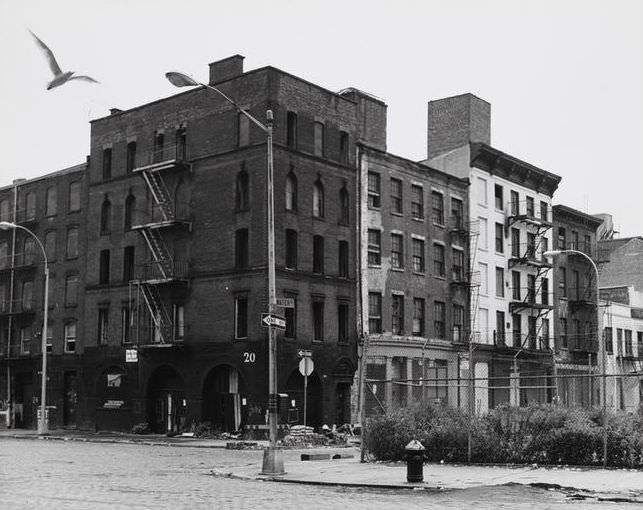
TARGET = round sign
x,y
306,366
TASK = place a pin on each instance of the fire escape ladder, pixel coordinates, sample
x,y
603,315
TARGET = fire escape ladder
x,y
160,252
161,194
158,312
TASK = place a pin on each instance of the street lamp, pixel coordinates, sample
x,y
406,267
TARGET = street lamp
x,y
272,458
601,346
42,421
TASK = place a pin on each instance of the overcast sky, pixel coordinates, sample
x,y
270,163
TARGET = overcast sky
x,y
564,78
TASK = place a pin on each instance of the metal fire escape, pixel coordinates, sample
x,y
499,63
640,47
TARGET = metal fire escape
x,y
155,279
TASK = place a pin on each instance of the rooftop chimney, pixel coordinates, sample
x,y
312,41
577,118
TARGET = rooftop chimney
x,y
225,69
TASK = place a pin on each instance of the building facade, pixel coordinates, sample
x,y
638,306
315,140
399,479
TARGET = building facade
x,y
510,200
414,263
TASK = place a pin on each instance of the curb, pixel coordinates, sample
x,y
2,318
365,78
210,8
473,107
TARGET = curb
x,y
110,441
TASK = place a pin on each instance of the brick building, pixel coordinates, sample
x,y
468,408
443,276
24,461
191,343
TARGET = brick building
x,y
574,286
510,200
414,279
53,207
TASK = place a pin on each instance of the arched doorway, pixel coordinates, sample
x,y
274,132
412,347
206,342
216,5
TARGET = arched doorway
x,y
314,404
166,401
222,392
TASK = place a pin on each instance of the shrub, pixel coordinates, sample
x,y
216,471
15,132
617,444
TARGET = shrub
x,y
141,428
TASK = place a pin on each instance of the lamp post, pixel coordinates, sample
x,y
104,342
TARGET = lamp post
x,y
601,346
272,458
42,421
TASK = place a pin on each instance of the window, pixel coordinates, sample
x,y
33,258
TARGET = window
x,y
544,211
574,242
437,203
484,278
291,130
344,210
575,290
130,207
103,270
72,243
49,338
587,244
130,159
374,312
241,255
482,191
70,337
458,265
4,255
562,282
531,288
484,234
25,340
291,249
483,324
318,321
457,212
343,259
318,128
531,245
396,196
515,243
343,147
397,251
515,202
107,164
30,206
290,314
439,319
418,255
342,322
397,314
103,326
243,130
29,251
458,323
241,201
530,207
129,261
159,141
564,342
106,217
417,202
291,191
639,343
71,290
561,239
318,200
125,324
628,342
318,254
374,247
240,317
27,296
498,197
5,210
515,285
51,202
179,322
439,376
500,328
418,317
374,187
517,329
609,340
531,328
181,139
544,291
438,260
500,282
50,245
500,241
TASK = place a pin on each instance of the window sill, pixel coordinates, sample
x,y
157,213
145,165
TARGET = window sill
x,y
399,214
439,225
397,269
375,208
438,277
375,266
419,273
419,220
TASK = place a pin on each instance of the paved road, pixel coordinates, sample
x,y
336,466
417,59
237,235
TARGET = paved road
x,y
74,475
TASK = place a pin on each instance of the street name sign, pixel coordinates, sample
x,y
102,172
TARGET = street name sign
x,y
272,320
131,356
285,302
304,354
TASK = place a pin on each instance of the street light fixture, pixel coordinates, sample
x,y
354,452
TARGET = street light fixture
x,y
43,427
601,345
272,458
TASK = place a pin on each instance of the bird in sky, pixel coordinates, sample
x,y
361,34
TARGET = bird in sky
x,y
60,77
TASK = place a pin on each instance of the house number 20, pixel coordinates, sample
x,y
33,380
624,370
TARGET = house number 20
x,y
248,357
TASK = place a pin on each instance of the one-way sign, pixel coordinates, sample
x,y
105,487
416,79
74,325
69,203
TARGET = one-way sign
x,y
270,319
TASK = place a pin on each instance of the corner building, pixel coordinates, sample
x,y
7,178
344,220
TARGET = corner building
x,y
510,201
177,252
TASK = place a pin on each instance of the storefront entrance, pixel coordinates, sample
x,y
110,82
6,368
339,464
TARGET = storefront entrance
x,y
166,401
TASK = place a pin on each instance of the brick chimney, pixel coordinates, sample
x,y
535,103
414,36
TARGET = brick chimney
x,y
456,121
225,69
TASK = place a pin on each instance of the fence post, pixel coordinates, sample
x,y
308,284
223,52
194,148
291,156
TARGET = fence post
x,y
471,401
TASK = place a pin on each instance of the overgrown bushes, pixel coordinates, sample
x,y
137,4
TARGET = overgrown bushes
x,y
540,434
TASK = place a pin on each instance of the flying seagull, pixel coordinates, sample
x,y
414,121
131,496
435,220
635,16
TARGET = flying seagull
x,y
60,77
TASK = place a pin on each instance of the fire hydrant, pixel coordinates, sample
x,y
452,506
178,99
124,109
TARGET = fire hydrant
x,y
414,461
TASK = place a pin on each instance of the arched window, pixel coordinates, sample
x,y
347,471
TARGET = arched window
x,y
318,200
5,210
344,211
29,251
291,191
106,217
30,206
130,209
241,191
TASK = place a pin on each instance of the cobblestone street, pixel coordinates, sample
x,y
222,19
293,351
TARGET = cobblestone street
x,y
75,475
